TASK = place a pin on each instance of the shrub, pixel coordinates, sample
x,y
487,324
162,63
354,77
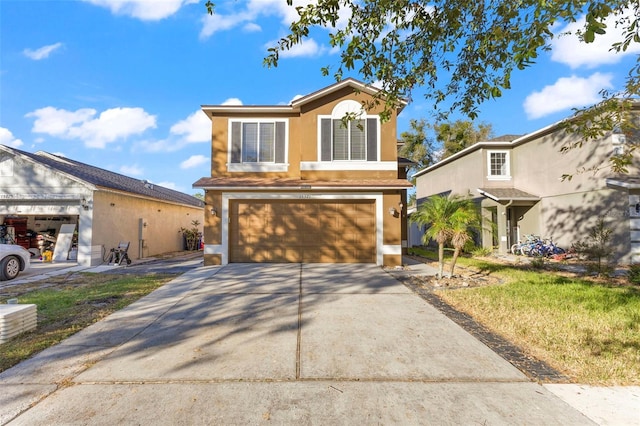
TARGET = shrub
x,y
538,263
191,236
481,252
597,248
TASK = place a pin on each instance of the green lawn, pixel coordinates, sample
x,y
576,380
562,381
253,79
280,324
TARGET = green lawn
x,y
587,329
71,304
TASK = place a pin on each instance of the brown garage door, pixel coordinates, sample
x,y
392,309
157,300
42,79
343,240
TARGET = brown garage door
x,y
302,231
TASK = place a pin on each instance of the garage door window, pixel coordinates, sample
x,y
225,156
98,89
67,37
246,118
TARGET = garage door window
x,y
257,145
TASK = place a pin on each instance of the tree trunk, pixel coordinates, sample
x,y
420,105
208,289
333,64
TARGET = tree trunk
x,y
441,259
456,252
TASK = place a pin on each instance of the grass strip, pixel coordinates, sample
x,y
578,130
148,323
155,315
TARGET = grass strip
x,y
588,331
73,303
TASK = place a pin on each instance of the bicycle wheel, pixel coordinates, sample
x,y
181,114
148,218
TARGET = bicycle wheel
x,y
515,249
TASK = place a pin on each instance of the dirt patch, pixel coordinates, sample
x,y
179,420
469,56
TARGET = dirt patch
x,y
464,277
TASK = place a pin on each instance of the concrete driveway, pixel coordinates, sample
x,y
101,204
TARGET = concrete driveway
x,y
280,344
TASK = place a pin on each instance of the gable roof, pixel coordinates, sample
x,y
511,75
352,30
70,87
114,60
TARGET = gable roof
x,y
101,178
295,105
509,141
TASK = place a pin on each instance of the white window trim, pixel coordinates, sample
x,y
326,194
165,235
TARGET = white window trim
x,y
348,165
257,166
508,164
338,112
347,162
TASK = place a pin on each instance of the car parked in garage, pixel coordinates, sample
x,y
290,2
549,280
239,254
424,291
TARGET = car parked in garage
x,y
13,260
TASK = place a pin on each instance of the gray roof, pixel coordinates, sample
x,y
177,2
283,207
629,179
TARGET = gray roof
x,y
106,179
504,194
505,138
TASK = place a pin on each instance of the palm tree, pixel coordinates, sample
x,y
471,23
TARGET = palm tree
x,y
463,221
436,214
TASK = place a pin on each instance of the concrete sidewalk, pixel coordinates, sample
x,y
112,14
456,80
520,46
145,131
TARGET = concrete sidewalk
x,y
284,344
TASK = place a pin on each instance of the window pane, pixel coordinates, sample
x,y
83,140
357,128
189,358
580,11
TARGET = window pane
x,y
249,142
340,141
267,142
358,145
498,164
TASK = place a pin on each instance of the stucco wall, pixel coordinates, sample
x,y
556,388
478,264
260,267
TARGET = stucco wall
x,y
116,217
466,174
571,217
303,140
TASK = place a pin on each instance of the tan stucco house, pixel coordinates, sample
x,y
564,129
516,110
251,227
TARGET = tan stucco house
x,y
41,192
292,183
517,182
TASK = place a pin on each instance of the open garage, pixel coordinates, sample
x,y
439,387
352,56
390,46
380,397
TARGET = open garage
x,y
81,211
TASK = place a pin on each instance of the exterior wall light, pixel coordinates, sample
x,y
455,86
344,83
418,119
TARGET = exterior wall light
x,y
214,212
84,203
392,211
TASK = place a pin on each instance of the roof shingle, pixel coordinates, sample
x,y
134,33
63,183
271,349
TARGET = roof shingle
x,y
106,179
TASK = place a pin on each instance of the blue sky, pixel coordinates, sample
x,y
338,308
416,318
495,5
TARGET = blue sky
x,y
119,83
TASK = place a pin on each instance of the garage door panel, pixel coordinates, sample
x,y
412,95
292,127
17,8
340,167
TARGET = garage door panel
x,y
302,231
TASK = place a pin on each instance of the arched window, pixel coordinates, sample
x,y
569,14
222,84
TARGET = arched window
x,y
349,134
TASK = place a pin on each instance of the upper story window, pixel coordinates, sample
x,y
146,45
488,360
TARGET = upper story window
x,y
348,140
258,145
498,165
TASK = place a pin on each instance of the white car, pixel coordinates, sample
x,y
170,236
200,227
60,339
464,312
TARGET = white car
x,y
13,259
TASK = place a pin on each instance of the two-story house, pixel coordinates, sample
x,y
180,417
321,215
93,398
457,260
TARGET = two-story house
x,y
518,183
298,183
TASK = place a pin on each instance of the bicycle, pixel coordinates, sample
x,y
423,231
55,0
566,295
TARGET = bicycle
x,y
522,248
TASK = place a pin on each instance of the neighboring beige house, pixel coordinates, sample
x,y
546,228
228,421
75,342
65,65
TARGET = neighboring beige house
x,y
41,192
518,183
291,183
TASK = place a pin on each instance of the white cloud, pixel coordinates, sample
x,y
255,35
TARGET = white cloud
x,y
306,48
194,161
569,50
194,128
133,170
145,10
41,53
295,98
565,93
96,132
7,138
252,27
254,9
247,18
170,185
232,101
